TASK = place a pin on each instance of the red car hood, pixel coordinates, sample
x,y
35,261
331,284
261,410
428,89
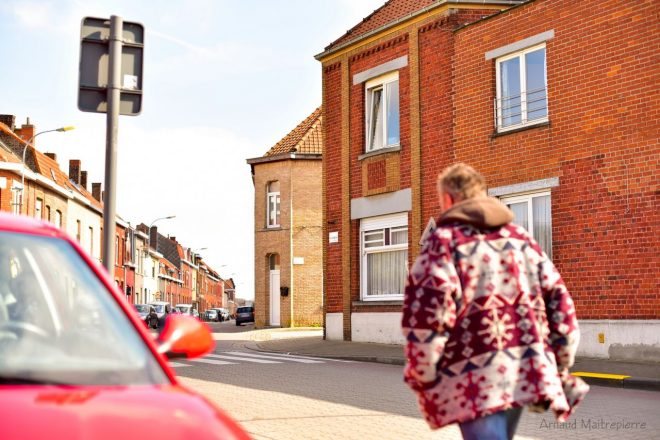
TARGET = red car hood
x,y
112,413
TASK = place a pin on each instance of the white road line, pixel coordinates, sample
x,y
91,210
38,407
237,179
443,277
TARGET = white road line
x,y
295,356
178,365
212,361
237,358
267,356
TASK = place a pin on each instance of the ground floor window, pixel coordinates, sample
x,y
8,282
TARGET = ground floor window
x,y
533,212
384,262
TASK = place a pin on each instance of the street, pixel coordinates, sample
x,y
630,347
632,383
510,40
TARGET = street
x,y
277,396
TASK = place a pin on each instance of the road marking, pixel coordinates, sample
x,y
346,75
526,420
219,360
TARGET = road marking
x,y
237,358
295,356
268,356
212,361
178,365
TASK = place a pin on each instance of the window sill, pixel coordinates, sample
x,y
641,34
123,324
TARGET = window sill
x,y
383,302
274,228
380,151
519,129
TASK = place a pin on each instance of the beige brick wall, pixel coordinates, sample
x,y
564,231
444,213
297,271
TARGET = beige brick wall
x,y
307,287
300,190
271,241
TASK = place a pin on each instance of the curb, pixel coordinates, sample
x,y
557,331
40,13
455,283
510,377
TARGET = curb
x,y
619,381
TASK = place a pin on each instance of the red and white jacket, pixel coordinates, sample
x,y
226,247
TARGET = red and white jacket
x,y
488,320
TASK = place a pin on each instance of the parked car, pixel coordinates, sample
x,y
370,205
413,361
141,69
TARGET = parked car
x,y
89,384
223,314
186,309
147,313
163,309
244,314
211,315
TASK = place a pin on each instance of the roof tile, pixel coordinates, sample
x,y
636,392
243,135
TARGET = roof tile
x,y
306,138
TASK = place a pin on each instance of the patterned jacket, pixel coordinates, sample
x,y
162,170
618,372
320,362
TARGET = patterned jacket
x,y
488,320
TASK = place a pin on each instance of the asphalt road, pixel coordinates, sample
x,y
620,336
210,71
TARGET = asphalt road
x,y
276,396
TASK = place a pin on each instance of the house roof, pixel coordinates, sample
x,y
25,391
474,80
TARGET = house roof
x,y
394,11
391,11
306,138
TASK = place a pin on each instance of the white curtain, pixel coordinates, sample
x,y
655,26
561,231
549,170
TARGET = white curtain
x,y
386,272
376,127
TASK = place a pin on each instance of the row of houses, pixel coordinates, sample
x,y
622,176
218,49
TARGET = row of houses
x,y
148,266
556,102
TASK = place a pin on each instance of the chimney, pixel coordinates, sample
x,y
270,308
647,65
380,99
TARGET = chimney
x,y
83,179
52,156
74,171
26,132
96,190
9,120
173,239
153,237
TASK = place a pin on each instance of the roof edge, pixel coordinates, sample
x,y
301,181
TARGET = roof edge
x,y
326,53
285,156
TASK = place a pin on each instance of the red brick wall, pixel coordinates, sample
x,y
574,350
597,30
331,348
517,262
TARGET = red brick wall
x,y
602,141
333,186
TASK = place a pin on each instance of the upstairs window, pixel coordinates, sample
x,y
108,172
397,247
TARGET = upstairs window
x,y
38,207
521,89
273,205
382,112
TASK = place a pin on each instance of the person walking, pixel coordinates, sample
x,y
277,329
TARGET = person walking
x,y
489,323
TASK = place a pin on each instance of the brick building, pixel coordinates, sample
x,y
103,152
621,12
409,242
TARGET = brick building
x,y
287,219
543,97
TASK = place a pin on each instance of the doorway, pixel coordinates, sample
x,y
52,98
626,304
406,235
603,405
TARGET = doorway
x,y
274,278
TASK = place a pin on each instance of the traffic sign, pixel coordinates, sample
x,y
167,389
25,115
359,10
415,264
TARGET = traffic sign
x,y
94,66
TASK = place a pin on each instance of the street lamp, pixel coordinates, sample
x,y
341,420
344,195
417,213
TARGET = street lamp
x,y
69,128
149,231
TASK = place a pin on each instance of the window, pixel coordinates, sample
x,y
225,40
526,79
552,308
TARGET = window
x,y
273,205
58,218
116,250
521,89
78,231
382,112
91,240
533,212
17,197
274,261
384,262
38,208
48,217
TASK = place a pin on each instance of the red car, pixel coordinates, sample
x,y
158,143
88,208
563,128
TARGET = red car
x,y
75,360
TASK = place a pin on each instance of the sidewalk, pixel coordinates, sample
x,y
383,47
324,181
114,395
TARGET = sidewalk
x,y
309,342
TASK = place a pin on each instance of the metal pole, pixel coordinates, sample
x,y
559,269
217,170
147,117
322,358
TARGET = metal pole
x,y
112,122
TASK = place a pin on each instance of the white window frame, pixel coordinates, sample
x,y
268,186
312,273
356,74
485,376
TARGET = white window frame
x,y
391,221
38,208
276,196
523,89
527,197
375,83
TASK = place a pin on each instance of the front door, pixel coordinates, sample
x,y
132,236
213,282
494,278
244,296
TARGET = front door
x,y
274,297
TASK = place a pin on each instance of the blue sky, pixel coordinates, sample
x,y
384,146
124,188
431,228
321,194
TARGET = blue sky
x,y
223,80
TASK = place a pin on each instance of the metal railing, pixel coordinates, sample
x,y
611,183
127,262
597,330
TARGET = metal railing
x,y
520,110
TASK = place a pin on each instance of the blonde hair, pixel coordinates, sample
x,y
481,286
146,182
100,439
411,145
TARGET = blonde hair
x,y
461,182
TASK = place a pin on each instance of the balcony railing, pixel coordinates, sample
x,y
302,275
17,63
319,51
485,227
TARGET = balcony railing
x,y
515,111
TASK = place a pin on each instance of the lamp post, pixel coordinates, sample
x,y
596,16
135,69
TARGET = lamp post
x,y
68,128
149,231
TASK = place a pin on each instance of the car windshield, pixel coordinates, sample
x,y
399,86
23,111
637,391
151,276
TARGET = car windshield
x,y
142,308
244,310
59,324
159,308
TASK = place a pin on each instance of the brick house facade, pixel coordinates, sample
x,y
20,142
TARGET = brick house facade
x,y
544,98
287,218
